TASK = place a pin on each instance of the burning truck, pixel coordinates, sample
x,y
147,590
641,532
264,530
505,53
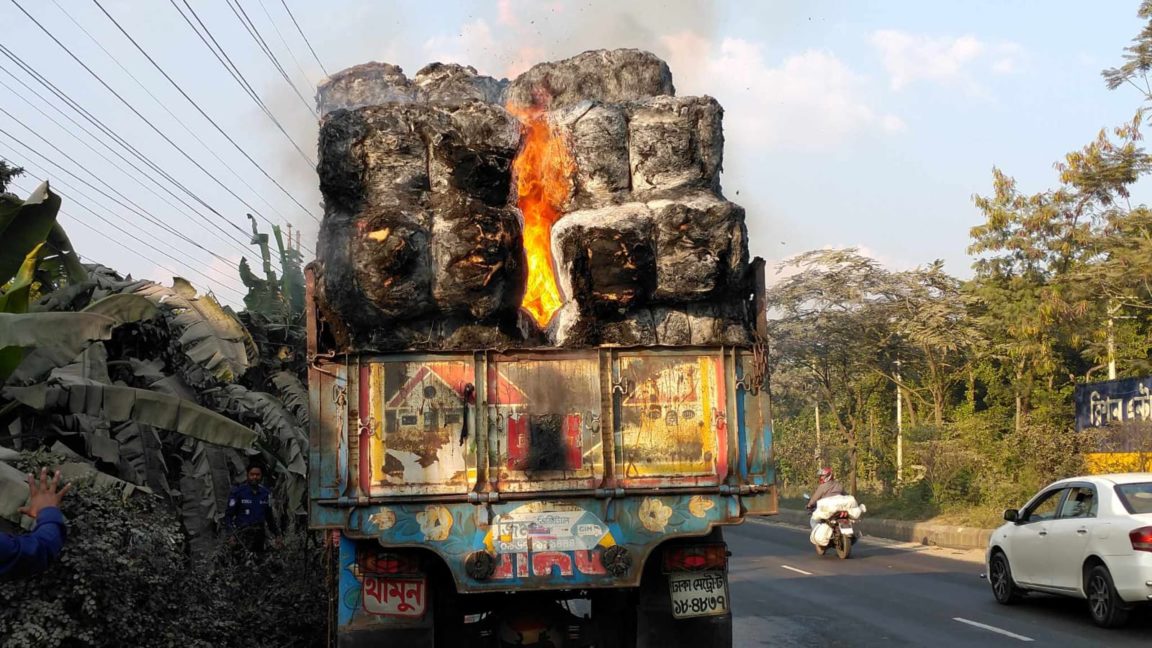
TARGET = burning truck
x,y
536,365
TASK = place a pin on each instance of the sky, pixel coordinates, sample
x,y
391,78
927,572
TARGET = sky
x,y
847,124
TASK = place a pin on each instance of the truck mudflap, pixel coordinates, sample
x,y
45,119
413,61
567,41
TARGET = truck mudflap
x,y
540,545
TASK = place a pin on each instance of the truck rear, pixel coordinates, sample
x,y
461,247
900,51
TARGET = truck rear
x,y
473,494
535,364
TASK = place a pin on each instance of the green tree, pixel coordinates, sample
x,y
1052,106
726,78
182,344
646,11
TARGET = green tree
x,y
7,174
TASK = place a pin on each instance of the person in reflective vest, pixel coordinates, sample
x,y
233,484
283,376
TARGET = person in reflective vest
x,y
248,520
31,553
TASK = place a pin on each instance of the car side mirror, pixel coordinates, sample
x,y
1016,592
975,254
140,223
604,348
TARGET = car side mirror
x,y
806,496
1012,515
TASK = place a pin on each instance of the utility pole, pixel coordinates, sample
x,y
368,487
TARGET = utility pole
x,y
1111,343
899,430
819,449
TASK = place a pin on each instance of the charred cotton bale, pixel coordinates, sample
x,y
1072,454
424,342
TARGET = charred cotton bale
x,y
675,143
702,324
701,248
369,84
609,76
597,138
471,148
418,227
478,260
606,258
453,84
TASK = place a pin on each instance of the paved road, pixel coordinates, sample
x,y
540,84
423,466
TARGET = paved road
x,y
890,595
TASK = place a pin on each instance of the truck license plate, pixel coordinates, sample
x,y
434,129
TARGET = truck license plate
x,y
698,594
394,597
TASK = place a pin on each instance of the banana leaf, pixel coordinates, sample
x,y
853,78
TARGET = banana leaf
x,y
293,394
209,334
142,457
58,338
118,404
78,471
66,255
24,225
205,482
14,299
92,364
13,492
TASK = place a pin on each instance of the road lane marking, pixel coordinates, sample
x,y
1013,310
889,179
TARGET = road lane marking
x,y
993,629
798,571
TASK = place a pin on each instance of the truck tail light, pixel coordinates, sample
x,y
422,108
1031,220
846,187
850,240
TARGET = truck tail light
x,y
390,564
1141,539
695,558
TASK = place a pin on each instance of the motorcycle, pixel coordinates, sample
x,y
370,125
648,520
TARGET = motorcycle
x,y
835,528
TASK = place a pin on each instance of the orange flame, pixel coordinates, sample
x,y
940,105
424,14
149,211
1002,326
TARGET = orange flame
x,y
543,170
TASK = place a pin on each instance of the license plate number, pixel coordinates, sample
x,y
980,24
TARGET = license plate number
x,y
698,594
394,597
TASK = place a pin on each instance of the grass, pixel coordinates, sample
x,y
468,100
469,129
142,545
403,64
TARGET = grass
x,y
912,504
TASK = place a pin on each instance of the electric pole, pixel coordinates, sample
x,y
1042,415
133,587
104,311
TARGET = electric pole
x,y
899,430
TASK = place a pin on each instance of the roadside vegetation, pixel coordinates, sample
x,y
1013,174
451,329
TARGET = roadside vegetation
x,y
152,399
985,367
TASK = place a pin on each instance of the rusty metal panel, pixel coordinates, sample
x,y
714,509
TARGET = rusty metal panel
x,y
328,429
673,418
420,426
544,421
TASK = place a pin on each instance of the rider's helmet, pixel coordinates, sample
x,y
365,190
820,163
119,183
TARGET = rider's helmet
x,y
824,475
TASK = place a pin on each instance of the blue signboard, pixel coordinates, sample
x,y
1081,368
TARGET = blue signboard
x,y
1113,402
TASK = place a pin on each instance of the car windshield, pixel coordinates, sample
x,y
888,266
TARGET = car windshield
x,y
1137,498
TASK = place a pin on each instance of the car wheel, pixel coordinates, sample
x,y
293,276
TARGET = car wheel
x,y
1000,577
1105,605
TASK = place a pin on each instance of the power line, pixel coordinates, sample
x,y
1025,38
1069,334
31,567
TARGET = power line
x,y
123,200
202,112
116,227
284,42
242,16
211,151
128,105
103,128
240,245
301,32
230,67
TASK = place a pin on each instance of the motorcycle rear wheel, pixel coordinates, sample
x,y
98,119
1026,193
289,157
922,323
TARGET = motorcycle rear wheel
x,y
843,546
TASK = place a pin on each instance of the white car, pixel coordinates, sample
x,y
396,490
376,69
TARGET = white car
x,y
1088,537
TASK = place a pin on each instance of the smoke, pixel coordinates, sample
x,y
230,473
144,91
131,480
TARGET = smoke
x,y
526,32
809,100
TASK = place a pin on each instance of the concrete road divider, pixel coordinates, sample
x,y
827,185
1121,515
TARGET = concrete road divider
x,y
937,535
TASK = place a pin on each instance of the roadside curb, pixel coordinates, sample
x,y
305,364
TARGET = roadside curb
x,y
922,533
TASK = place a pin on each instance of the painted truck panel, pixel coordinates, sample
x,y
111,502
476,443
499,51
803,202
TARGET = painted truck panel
x,y
558,469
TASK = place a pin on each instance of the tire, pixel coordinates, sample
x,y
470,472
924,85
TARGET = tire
x,y
1108,610
1000,578
843,546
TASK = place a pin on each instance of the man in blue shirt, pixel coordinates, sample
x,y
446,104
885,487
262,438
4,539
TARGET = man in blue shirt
x,y
248,518
31,553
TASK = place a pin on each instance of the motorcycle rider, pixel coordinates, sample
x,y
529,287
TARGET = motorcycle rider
x,y
827,487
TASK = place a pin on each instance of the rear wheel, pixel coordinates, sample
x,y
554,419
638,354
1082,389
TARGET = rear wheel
x,y
1107,608
1000,577
843,546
